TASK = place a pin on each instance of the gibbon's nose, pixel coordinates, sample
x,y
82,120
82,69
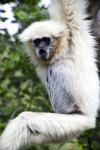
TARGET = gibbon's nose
x,y
42,53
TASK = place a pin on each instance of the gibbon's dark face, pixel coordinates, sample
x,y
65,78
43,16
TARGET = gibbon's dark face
x,y
42,47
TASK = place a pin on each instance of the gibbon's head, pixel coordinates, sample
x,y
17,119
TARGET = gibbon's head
x,y
43,39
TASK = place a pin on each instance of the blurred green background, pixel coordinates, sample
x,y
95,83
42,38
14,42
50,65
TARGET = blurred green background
x,y
20,88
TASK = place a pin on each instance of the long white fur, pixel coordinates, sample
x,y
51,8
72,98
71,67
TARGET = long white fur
x,y
76,68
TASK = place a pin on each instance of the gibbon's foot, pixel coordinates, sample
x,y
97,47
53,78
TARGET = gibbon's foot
x,y
21,132
39,128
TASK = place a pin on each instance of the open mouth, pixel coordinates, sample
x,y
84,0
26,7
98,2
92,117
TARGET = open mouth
x,y
42,52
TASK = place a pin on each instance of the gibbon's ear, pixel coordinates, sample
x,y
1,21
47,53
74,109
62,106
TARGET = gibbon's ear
x,y
24,37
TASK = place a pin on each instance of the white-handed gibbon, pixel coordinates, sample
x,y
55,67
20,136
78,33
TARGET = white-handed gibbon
x,y
64,52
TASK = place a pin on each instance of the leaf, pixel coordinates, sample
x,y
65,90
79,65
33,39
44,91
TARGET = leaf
x,y
22,15
8,64
1,89
6,110
2,47
2,125
95,145
15,56
4,19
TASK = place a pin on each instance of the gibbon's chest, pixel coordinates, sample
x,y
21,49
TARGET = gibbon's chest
x,y
58,83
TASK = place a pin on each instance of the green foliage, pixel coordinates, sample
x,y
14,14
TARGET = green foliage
x,y
20,89
22,15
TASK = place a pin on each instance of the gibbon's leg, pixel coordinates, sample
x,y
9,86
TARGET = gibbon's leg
x,y
38,128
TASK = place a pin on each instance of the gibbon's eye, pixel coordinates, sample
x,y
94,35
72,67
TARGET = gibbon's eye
x,y
46,40
37,42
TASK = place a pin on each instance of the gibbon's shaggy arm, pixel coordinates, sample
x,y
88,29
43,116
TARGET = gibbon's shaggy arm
x,y
39,128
